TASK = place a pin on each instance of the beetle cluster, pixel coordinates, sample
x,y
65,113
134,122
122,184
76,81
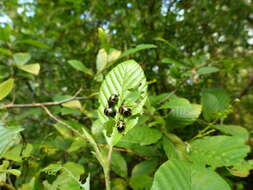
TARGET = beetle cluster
x,y
123,110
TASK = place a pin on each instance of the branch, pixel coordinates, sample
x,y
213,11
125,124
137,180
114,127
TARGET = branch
x,y
45,103
63,123
246,89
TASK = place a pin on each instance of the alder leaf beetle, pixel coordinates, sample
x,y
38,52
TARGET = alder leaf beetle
x,y
114,98
109,112
125,111
121,126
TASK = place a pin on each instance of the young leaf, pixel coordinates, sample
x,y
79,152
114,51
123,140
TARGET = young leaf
x,y
6,87
181,175
78,65
120,80
73,104
218,151
31,68
113,55
21,58
101,60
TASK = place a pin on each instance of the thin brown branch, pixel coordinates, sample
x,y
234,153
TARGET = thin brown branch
x,y
42,103
246,89
45,103
62,122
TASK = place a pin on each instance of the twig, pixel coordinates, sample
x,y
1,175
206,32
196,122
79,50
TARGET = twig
x,y
45,103
42,103
246,89
63,123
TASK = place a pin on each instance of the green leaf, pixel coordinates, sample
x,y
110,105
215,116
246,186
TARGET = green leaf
x,y
137,48
142,135
172,61
141,182
5,51
218,151
233,130
17,152
101,62
146,167
104,39
242,169
175,102
21,58
5,33
113,55
119,184
78,143
122,80
78,65
14,172
182,112
182,175
34,43
213,101
31,68
6,87
69,178
52,169
119,165
9,136
170,149
207,70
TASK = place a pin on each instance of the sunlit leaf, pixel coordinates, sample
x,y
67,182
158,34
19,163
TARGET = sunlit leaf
x,y
31,68
101,60
121,80
73,104
6,87
78,65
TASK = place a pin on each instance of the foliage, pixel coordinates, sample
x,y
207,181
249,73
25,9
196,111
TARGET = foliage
x,y
183,68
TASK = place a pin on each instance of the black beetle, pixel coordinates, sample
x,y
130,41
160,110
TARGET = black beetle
x,y
121,126
113,100
125,111
109,112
